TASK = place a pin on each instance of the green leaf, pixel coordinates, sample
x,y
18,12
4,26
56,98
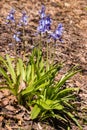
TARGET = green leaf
x,y
49,102
68,104
32,72
35,112
17,68
8,88
11,69
28,90
74,119
69,97
54,104
16,86
64,93
4,73
21,69
41,64
28,73
57,106
3,60
4,87
43,104
60,117
43,85
67,76
46,76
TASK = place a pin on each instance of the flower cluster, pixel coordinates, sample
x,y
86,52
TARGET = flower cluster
x,y
45,26
24,19
56,35
45,22
10,17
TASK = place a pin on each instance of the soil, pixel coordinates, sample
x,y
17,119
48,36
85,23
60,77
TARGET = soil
x,y
73,51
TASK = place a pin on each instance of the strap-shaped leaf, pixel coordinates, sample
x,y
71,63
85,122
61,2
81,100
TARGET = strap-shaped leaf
x,y
74,119
43,85
17,68
43,105
32,72
41,64
8,88
4,73
11,69
17,85
35,112
70,96
3,61
28,90
54,104
21,69
67,76
64,93
4,87
28,73
57,107
68,104
60,117
46,76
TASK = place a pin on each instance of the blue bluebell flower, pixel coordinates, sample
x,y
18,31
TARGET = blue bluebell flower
x,y
48,22
57,34
59,30
16,37
24,19
42,12
44,25
10,17
45,21
41,27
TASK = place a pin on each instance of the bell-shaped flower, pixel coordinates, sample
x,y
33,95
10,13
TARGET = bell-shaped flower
x,y
41,27
57,34
10,17
42,12
24,19
44,25
16,37
59,30
48,22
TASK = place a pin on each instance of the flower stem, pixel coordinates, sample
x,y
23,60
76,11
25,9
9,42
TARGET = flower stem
x,y
24,43
47,57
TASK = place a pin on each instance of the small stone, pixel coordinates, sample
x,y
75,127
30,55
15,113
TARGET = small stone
x,y
10,108
67,5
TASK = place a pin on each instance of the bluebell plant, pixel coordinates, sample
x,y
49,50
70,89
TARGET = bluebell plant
x,y
33,82
44,26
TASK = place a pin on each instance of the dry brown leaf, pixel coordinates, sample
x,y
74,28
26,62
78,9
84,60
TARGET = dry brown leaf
x,y
8,127
1,118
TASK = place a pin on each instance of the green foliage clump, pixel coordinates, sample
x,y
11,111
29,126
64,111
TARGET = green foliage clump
x,y
33,84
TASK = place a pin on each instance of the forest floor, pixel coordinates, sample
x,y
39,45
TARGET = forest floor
x,y
73,51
